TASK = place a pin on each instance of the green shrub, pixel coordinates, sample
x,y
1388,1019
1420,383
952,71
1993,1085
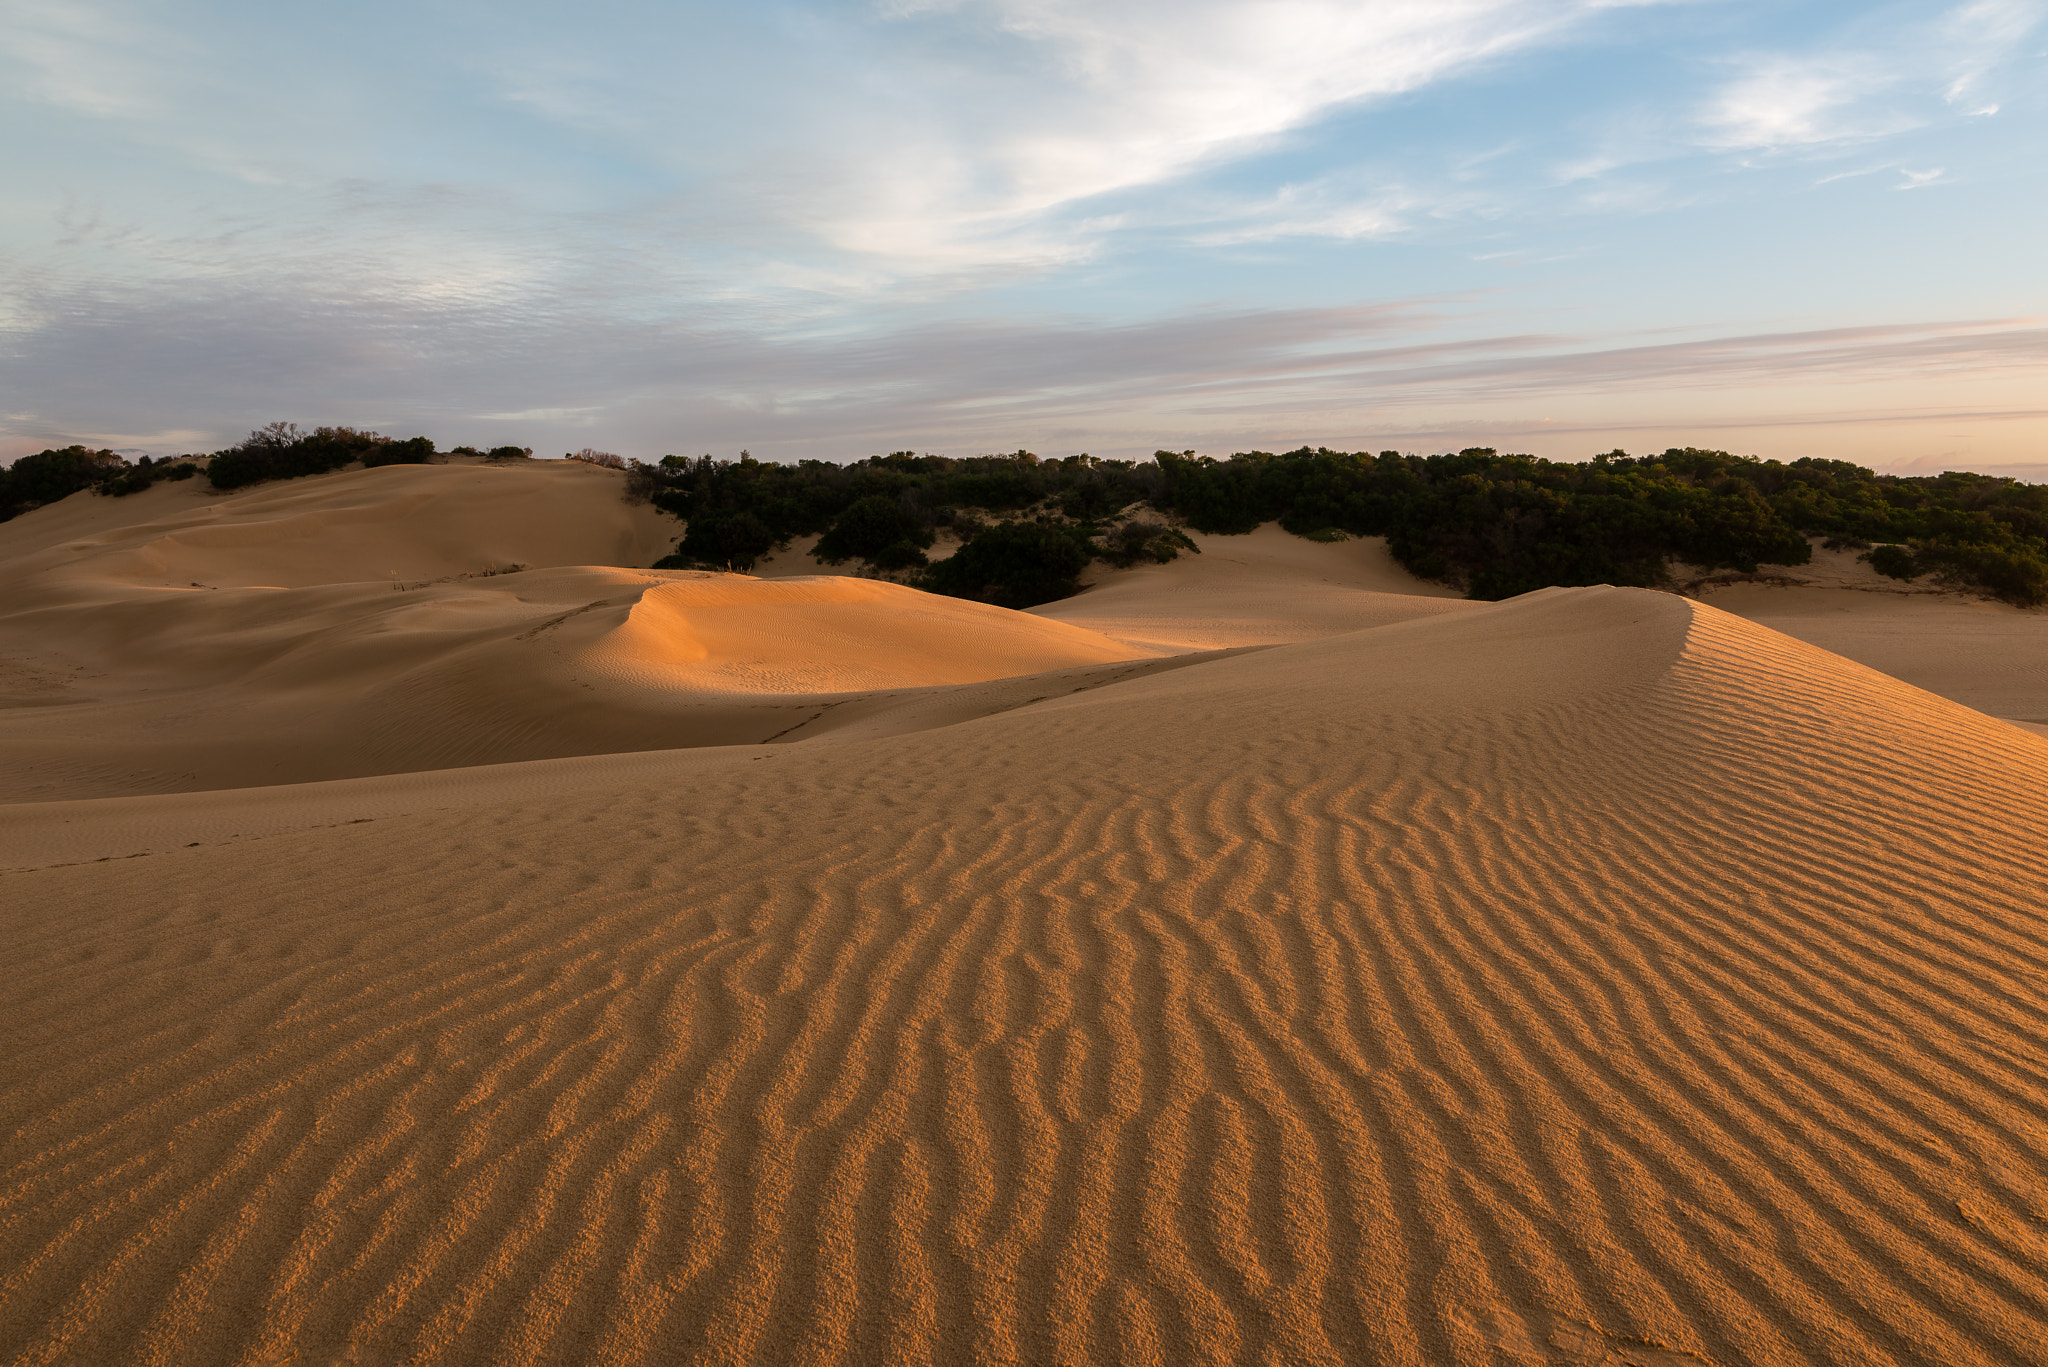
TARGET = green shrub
x,y
48,476
1013,565
879,530
728,541
2016,574
282,451
1144,539
1894,562
144,473
413,451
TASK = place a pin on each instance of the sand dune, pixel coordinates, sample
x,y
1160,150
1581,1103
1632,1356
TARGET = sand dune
x,y
360,623
1595,978
1264,588
1259,958
197,690
1986,655
400,522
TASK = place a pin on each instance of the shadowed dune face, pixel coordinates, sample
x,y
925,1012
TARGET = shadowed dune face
x,y
399,522
1591,978
359,624
191,690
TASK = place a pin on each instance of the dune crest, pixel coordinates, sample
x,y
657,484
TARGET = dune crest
x,y
1593,977
833,634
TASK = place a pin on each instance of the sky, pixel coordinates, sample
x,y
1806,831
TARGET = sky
x,y
829,230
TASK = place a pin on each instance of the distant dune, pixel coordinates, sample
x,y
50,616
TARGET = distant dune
x,y
1258,959
363,623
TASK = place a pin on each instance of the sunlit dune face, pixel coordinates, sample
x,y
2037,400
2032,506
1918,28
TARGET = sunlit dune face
x,y
833,635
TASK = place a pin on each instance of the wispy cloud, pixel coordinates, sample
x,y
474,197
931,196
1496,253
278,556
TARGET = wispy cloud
x,y
483,373
824,220
1782,101
1876,78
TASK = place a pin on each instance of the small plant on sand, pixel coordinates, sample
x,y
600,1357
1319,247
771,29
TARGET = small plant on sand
x,y
1145,539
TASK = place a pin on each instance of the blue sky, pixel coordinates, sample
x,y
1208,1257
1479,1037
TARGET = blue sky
x,y
828,230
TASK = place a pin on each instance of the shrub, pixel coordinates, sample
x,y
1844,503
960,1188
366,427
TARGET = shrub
x,y
509,453
281,451
879,530
1894,562
1013,565
603,458
1145,539
48,476
642,480
2015,574
414,451
730,541
146,472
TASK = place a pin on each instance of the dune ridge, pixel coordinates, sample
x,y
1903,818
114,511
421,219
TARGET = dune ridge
x,y
1592,978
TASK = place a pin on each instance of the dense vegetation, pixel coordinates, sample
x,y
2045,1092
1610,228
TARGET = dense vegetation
x,y
1494,525
282,451
278,451
885,511
48,476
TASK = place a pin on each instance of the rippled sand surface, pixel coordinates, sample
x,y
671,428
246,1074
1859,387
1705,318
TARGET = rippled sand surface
x,y
1594,978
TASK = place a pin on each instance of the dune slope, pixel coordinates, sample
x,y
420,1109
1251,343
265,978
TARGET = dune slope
x,y
1264,588
1593,978
1987,655
364,623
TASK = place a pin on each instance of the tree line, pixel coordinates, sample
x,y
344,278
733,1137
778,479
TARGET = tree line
x,y
1493,525
277,451
1490,524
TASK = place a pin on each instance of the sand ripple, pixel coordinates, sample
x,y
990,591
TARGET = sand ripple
x,y
1595,979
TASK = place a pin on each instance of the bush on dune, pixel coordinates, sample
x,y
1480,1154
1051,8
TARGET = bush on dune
x,y
723,541
1143,539
281,451
1013,565
1491,524
413,451
879,530
48,476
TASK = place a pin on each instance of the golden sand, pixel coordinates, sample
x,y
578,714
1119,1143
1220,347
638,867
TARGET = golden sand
x,y
1592,978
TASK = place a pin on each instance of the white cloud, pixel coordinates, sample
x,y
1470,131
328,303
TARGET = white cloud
x,y
1788,101
1872,81
1092,100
